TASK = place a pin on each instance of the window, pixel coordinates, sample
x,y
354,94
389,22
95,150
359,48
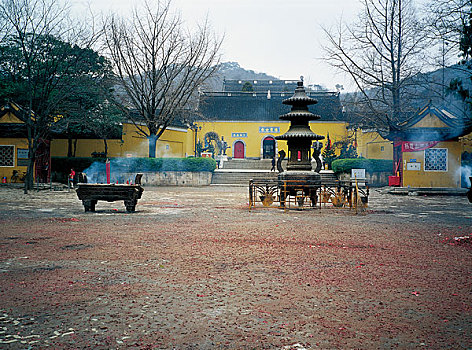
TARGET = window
x,y
435,159
382,148
7,155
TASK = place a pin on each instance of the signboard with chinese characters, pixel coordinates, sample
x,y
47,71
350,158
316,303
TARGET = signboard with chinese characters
x,y
22,157
269,130
22,153
412,146
238,135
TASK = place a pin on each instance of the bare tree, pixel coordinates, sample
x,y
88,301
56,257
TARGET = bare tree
x,y
160,65
42,53
383,53
448,18
451,27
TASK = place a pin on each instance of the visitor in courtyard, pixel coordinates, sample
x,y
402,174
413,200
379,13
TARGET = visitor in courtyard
x,y
71,178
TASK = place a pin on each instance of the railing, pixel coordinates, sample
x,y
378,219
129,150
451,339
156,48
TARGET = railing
x,y
295,194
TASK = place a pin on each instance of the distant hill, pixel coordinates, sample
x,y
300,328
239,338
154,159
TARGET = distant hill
x,y
232,70
426,87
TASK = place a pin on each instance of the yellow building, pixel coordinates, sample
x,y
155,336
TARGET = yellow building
x,y
373,146
249,121
13,143
427,151
174,142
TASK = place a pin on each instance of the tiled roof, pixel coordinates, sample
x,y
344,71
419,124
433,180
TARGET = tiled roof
x,y
261,85
456,127
258,107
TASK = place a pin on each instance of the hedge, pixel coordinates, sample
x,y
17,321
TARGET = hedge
x,y
370,165
61,166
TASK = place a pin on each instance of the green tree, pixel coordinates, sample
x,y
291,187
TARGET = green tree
x,y
328,153
42,55
465,47
347,150
247,87
91,109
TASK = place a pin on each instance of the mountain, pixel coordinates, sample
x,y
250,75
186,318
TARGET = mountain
x,y
232,70
421,89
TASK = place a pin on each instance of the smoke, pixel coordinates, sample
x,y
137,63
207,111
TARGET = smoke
x,y
96,173
465,173
123,170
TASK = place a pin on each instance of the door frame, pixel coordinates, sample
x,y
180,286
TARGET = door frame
x,y
244,148
275,144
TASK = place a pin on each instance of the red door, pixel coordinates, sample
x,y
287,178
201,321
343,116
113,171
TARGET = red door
x,y
239,150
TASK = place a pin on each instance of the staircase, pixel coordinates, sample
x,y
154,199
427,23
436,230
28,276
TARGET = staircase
x,y
249,164
240,171
328,177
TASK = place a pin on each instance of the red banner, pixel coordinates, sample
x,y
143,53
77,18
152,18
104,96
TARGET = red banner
x,y
410,146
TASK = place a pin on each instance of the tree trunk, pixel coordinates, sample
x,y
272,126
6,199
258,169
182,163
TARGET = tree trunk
x,y
152,146
31,157
69,147
106,147
75,147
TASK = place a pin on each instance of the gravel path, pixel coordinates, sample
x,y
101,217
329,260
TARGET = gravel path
x,y
194,269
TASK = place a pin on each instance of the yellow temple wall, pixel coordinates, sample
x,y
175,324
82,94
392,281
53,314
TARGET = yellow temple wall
x,y
415,175
252,133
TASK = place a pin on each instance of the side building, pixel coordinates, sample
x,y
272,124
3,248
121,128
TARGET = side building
x,y
125,141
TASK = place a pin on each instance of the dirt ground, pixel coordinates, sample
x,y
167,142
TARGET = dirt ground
x,y
194,269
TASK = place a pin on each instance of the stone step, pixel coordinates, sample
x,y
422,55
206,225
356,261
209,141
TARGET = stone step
x,y
259,164
242,176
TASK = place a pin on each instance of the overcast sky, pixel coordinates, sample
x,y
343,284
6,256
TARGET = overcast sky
x,y
278,37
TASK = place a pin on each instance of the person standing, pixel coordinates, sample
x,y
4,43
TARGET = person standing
x,y
273,164
71,178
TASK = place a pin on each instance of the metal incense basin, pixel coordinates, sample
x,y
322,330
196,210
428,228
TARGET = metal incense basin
x,y
90,194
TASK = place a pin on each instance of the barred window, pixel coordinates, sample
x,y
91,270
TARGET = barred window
x,y
435,159
7,155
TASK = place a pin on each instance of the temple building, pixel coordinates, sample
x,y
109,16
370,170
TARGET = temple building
x,y
249,121
427,150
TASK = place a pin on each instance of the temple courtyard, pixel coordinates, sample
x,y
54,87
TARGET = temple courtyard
x,y
193,268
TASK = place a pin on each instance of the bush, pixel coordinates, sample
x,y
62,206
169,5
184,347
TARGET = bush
x,y
370,165
61,166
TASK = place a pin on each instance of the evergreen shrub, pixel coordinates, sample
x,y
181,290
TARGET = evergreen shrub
x,y
61,166
370,165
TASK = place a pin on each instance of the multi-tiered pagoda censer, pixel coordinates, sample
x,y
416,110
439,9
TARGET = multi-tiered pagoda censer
x,y
299,179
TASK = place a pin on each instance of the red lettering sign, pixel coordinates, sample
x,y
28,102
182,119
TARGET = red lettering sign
x,y
411,146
